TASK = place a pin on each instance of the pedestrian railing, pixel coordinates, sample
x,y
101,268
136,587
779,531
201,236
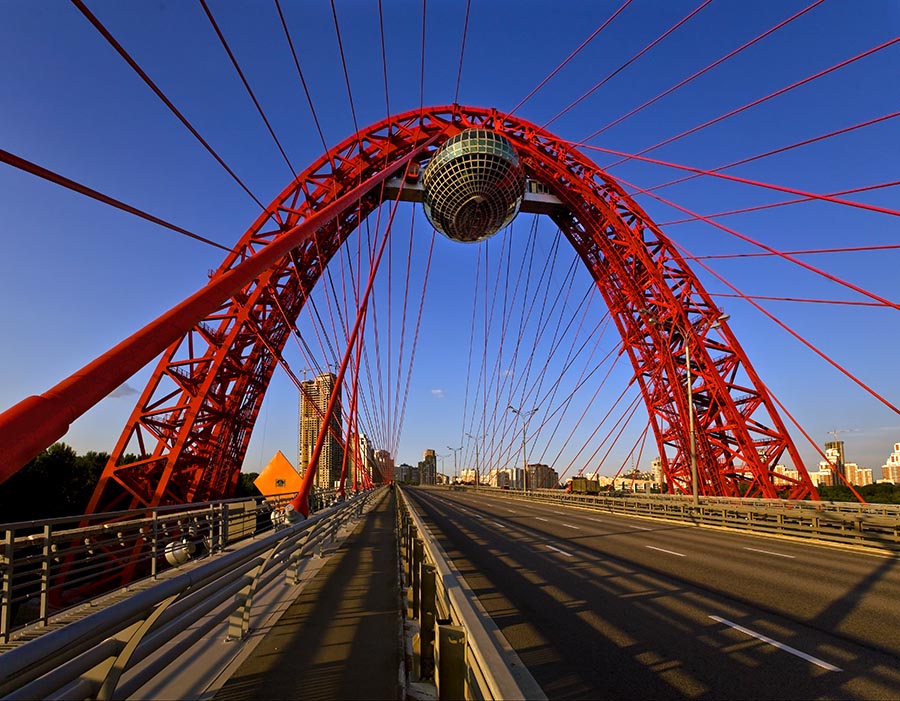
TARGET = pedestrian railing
x,y
113,652
456,648
51,565
867,525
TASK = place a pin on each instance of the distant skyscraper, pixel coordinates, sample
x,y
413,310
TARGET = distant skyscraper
x,y
891,469
834,451
314,398
428,468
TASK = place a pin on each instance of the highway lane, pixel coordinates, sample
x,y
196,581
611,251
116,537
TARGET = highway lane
x,y
599,605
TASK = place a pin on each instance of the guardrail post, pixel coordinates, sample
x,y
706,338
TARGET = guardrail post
x,y
427,621
154,548
7,586
416,583
45,575
450,663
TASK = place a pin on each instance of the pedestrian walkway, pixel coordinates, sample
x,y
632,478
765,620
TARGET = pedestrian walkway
x,y
341,638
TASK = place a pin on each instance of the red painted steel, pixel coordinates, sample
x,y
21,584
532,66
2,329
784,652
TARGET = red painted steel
x,y
192,423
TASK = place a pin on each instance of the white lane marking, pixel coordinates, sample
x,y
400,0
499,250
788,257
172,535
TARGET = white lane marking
x,y
595,520
511,511
560,551
569,525
541,519
499,525
769,552
480,518
671,552
640,528
780,646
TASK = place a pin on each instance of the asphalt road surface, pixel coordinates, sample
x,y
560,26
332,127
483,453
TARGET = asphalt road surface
x,y
606,606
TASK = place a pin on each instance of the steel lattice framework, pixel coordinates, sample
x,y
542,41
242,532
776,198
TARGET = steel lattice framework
x,y
192,423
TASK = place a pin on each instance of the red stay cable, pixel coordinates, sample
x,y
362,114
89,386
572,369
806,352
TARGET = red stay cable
x,y
805,252
240,73
570,57
159,93
708,68
783,203
745,181
783,149
462,52
763,246
761,100
625,65
796,335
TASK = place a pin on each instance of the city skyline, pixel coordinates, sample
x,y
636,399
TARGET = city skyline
x,y
82,276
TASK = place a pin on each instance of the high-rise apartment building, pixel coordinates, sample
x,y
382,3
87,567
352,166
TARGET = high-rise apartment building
x,y
314,398
891,469
834,451
428,468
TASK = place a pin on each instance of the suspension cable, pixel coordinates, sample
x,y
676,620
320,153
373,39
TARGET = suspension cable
x,y
240,73
796,335
56,178
625,65
570,57
783,149
159,93
708,68
761,100
306,92
745,181
783,203
462,52
765,247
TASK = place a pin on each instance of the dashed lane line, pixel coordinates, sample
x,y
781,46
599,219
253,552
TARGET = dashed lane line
x,y
663,550
769,552
563,552
781,646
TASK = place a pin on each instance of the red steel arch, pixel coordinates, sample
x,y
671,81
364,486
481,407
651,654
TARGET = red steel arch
x,y
192,423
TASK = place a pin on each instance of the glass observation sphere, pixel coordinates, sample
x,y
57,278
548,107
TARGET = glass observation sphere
x,y
473,186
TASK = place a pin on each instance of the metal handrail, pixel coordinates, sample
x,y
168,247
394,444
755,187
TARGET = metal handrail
x,y
89,656
35,556
486,669
874,526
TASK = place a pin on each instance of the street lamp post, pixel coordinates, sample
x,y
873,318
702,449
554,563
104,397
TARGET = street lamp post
x,y
477,474
524,415
455,470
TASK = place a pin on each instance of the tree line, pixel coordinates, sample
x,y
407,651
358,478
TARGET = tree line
x,y
59,482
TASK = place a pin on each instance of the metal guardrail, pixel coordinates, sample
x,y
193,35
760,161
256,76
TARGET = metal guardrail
x,y
88,658
866,525
36,556
457,647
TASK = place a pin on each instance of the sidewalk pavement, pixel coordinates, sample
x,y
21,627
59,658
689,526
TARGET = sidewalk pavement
x,y
341,638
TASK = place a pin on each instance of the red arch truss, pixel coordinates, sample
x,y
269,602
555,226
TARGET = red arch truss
x,y
192,423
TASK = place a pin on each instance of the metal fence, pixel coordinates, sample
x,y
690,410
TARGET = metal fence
x,y
457,649
90,658
49,566
866,525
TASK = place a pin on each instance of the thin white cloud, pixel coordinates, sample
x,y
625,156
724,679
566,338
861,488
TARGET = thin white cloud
x,y
125,390
439,393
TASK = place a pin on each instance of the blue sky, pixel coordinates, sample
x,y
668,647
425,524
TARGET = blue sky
x,y
80,276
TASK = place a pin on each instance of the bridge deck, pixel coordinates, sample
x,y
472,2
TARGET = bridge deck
x,y
341,638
